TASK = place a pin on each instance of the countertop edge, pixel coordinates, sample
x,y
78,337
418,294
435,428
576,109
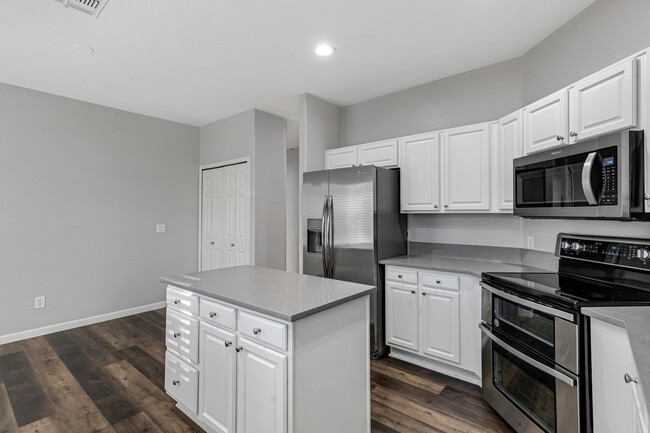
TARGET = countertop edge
x,y
403,261
287,318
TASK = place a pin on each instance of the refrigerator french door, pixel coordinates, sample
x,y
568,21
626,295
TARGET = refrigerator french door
x,y
352,221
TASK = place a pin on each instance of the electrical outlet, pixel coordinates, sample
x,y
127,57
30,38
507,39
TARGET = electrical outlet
x,y
39,302
531,242
161,228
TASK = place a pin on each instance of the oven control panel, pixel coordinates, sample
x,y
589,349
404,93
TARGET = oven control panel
x,y
631,253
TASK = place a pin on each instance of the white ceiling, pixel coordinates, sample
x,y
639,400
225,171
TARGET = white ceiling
x,y
197,61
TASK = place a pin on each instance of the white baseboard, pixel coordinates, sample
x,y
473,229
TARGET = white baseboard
x,y
37,332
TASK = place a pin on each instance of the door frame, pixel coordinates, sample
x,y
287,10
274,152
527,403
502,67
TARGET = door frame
x,y
251,195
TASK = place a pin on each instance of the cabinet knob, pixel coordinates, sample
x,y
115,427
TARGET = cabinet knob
x,y
177,301
438,281
177,334
399,276
176,382
424,293
211,243
446,206
232,245
238,349
212,314
227,343
629,379
413,291
435,206
559,138
573,134
257,330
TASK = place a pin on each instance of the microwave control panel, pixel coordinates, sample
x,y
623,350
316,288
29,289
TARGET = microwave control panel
x,y
607,251
609,178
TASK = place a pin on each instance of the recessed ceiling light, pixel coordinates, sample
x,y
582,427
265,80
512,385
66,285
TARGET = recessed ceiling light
x,y
84,49
325,50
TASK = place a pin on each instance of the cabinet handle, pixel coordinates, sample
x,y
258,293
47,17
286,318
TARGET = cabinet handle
x,y
177,334
238,349
446,206
573,134
232,245
211,243
176,382
559,138
212,314
257,330
227,343
413,291
399,276
177,301
424,293
438,281
629,379
435,206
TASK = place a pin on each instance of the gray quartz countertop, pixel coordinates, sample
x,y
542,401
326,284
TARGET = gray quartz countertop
x,y
450,264
284,295
636,320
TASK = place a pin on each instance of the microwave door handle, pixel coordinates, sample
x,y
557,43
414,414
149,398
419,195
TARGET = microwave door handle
x,y
324,237
586,178
527,359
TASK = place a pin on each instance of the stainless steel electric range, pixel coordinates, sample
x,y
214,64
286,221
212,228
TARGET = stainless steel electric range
x,y
536,365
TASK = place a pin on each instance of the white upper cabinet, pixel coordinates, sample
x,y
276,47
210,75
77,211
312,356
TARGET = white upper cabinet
x,y
604,102
466,168
546,123
381,154
509,146
419,173
342,157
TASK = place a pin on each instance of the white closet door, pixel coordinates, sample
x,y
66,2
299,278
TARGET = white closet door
x,y
225,217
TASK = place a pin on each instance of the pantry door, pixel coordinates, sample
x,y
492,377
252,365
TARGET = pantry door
x,y
225,216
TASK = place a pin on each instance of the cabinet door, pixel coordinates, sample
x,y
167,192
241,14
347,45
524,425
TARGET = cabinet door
x,y
509,147
616,404
339,158
546,123
218,378
261,389
381,154
466,168
402,315
419,173
604,102
440,322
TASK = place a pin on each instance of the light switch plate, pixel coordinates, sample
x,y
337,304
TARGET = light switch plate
x,y
39,302
161,228
531,242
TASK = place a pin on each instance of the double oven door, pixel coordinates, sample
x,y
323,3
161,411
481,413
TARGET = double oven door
x,y
530,363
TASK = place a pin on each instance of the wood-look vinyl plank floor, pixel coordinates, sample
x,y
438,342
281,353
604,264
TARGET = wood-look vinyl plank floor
x,y
109,378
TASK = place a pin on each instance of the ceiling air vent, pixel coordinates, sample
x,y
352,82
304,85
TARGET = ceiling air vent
x,y
91,7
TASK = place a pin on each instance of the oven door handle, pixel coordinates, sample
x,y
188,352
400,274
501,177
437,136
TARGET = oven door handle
x,y
527,359
530,304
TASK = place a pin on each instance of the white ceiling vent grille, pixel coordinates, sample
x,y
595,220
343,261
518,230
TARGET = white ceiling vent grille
x,y
91,7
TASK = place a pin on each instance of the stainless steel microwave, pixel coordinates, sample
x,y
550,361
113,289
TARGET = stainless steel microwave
x,y
599,178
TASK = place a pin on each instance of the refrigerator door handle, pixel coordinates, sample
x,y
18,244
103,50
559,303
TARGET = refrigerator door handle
x,y
330,235
324,228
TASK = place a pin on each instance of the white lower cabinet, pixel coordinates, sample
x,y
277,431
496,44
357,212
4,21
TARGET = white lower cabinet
x,y
181,381
218,378
618,405
261,389
434,322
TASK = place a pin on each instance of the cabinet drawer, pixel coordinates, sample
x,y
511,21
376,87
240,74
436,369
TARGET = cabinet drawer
x,y
182,335
263,330
440,281
402,276
182,300
219,314
181,381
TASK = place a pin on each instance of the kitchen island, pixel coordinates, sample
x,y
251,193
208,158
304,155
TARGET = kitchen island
x,y
259,350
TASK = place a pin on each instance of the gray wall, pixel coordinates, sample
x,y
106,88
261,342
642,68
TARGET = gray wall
x,y
293,213
261,137
606,32
81,190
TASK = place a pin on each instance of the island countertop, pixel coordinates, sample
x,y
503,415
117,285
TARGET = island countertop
x,y
284,295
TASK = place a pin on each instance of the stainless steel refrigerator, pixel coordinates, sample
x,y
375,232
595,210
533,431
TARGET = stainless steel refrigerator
x,y
352,221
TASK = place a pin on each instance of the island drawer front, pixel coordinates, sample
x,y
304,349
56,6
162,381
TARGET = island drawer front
x,y
218,314
263,330
438,281
181,381
182,335
402,276
182,300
